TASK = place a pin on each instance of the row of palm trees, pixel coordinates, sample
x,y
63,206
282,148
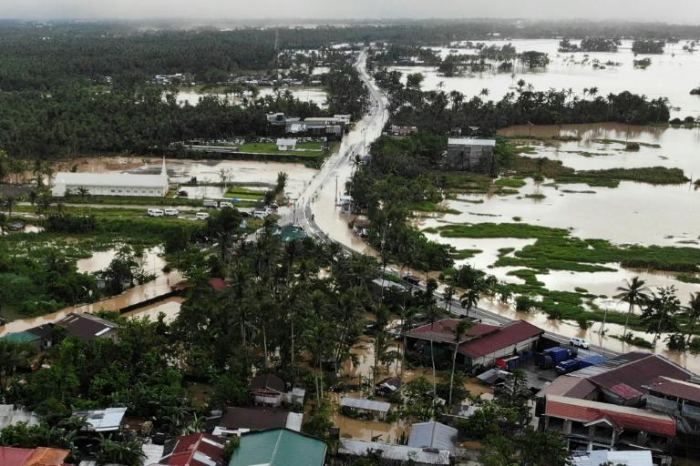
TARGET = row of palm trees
x,y
661,310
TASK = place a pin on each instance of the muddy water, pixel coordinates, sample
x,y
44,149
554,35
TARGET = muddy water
x,y
161,285
678,147
671,75
170,307
151,261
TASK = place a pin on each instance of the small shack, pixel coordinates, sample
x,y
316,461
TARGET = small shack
x,y
362,407
286,144
267,390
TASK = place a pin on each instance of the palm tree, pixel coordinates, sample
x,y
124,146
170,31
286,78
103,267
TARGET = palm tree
x,y
448,296
83,191
635,293
661,311
692,313
432,313
484,92
470,299
459,331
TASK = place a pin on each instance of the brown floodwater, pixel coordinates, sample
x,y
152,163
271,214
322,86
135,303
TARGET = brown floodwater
x,y
671,75
307,94
170,307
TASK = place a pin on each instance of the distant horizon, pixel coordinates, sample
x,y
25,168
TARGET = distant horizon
x,y
681,12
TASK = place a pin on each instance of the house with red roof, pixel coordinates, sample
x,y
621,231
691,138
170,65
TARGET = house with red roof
x,y
480,345
194,450
592,425
10,456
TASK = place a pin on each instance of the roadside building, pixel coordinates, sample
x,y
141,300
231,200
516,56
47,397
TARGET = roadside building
x,y
111,184
279,447
403,130
467,154
388,386
267,390
676,398
193,450
394,455
286,144
87,327
362,406
433,436
237,421
480,345
591,425
10,456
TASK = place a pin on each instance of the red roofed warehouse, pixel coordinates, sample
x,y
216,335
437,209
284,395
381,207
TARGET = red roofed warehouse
x,y
592,425
10,456
480,345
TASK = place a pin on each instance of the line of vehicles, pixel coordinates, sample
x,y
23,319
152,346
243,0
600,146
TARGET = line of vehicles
x,y
212,204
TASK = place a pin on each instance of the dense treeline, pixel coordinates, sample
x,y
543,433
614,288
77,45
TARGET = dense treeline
x,y
74,120
45,56
401,174
439,112
590,44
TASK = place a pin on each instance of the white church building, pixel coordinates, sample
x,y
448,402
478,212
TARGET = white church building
x,y
112,184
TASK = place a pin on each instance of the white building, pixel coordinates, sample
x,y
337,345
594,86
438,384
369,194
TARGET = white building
x,y
286,144
112,184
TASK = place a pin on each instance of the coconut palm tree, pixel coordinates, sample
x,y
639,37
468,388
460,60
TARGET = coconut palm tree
x,y
470,299
661,311
459,331
634,294
692,313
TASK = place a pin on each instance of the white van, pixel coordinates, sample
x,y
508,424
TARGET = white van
x,y
155,213
261,214
223,204
210,203
171,212
201,215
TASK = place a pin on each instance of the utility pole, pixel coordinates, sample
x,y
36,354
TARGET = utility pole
x,y
336,189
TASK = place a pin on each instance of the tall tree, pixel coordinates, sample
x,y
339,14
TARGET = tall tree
x,y
633,293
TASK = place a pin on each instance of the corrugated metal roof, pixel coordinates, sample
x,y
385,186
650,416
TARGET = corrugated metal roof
x,y
470,142
102,420
623,417
626,458
443,331
572,387
433,435
363,403
20,337
86,327
279,447
254,418
394,452
9,416
507,335
196,450
677,388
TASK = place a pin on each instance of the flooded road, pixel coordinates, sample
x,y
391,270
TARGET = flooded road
x,y
670,75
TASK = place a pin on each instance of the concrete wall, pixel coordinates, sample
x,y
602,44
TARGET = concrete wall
x,y
470,158
60,190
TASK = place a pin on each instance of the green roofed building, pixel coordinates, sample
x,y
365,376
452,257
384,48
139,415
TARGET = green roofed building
x,y
21,337
279,447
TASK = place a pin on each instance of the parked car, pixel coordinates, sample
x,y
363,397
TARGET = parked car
x,y
261,214
171,212
155,213
579,342
201,215
210,203
411,279
223,204
183,193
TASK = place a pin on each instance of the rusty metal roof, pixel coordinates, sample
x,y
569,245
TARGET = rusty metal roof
x,y
677,388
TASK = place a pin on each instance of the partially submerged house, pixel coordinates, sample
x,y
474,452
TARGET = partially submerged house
x,y
393,454
237,421
362,406
267,390
279,447
87,327
480,345
433,436
467,154
193,450
388,386
591,425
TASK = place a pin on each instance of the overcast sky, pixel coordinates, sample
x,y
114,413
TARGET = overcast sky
x,y
682,11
